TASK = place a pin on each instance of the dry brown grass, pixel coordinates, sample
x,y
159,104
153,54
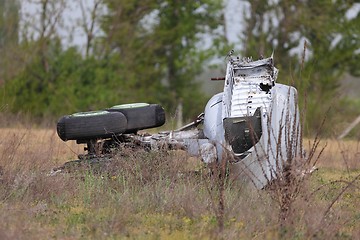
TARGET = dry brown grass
x,y
26,155
339,154
43,145
157,196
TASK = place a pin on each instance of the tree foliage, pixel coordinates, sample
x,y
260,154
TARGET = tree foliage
x,y
162,48
150,51
9,22
9,35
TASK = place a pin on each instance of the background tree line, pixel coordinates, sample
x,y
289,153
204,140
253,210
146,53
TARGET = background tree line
x,y
153,50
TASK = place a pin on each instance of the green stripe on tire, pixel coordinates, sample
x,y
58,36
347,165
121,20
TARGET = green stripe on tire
x,y
87,114
130,105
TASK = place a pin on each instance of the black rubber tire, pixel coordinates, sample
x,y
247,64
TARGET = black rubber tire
x,y
91,125
141,115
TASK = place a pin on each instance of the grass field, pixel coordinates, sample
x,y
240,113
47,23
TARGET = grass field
x,y
165,195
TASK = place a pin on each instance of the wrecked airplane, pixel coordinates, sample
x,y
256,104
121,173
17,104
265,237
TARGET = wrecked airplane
x,y
253,124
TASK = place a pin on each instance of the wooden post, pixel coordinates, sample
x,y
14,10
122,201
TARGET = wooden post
x,y
179,115
349,128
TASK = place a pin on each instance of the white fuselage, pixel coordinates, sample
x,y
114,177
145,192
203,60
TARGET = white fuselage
x,y
250,86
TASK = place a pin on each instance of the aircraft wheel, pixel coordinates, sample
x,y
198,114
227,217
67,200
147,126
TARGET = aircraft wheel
x,y
140,115
91,125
